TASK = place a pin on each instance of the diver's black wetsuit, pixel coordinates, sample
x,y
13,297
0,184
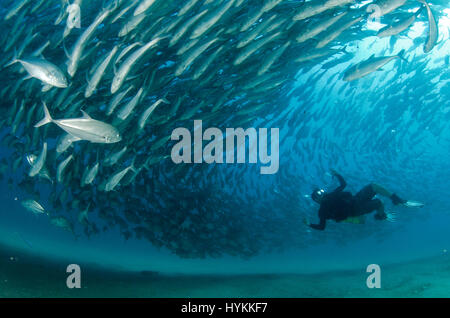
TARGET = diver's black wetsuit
x,y
340,205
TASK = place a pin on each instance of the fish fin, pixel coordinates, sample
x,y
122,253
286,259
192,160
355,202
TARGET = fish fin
x,y
164,98
112,6
13,61
65,51
87,78
314,41
98,154
401,55
47,118
86,212
132,167
115,68
46,88
419,11
74,139
85,115
344,49
130,78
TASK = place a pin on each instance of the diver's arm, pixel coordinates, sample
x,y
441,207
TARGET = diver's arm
x,y
320,226
342,183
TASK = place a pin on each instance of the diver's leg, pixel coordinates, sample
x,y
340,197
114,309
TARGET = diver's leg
x,y
378,189
379,207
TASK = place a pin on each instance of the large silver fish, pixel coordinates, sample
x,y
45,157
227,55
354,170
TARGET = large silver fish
x,y
432,34
43,70
369,66
84,128
398,27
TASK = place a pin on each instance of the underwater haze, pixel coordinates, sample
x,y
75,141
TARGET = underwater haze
x,y
103,162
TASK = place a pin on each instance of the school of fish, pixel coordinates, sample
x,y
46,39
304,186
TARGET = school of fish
x,y
88,110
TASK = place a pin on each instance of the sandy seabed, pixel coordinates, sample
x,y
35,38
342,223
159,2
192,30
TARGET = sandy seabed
x,y
34,277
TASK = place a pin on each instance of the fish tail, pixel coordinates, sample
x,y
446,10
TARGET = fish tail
x,y
419,11
13,61
164,99
132,166
344,49
47,118
401,55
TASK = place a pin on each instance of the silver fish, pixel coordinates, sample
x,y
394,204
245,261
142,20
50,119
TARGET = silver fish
x,y
39,163
61,167
83,216
115,179
126,66
19,5
62,222
89,175
315,28
117,99
84,128
369,66
192,55
78,47
33,206
64,143
98,74
204,25
144,117
398,27
43,70
143,6
314,8
432,34
130,106
384,7
183,29
115,157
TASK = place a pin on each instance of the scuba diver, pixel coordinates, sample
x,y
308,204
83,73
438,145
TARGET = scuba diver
x,y
341,206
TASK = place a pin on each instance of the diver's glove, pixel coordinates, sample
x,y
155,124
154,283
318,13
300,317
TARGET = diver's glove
x,y
396,200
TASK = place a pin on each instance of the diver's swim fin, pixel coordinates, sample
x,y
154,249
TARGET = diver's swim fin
x,y
413,204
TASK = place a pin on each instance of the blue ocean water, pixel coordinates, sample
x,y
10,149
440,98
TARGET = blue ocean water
x,y
390,127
